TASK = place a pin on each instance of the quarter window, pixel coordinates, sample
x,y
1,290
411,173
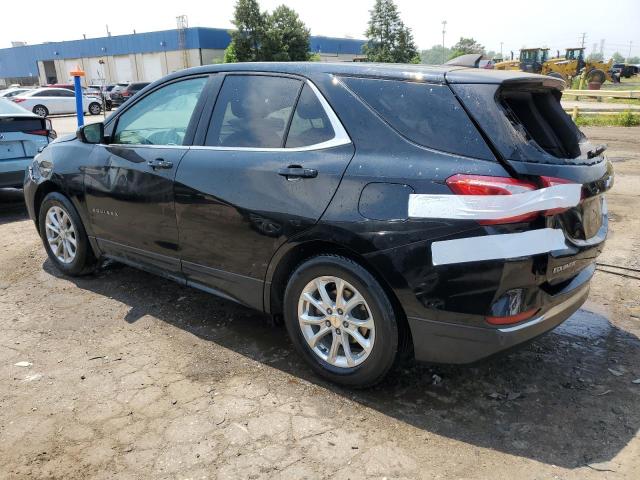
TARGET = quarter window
x,y
310,124
162,117
426,114
253,111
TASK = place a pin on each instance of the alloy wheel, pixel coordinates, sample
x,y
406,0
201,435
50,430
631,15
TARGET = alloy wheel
x,y
61,234
336,321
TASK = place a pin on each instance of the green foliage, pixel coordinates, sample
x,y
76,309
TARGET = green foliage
x,y
389,40
435,55
466,46
250,31
634,60
315,57
286,37
625,119
617,57
263,37
230,53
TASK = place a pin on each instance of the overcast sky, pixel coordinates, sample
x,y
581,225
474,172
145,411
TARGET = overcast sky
x,y
553,23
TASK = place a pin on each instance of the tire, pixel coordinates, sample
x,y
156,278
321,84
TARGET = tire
x,y
80,262
109,105
366,366
596,75
41,110
95,108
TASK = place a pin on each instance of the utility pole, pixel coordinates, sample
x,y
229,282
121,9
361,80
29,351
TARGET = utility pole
x,y
584,36
629,56
501,50
444,30
602,49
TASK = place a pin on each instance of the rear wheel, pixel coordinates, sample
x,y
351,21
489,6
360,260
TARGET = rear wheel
x,y
341,321
41,110
64,236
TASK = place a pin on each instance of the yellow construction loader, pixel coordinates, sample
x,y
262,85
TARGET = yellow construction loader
x,y
572,64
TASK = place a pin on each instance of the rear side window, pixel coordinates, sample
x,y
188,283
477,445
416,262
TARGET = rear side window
x,y
252,111
426,114
310,124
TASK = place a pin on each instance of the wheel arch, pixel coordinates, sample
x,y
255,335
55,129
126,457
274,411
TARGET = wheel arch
x,y
283,266
44,189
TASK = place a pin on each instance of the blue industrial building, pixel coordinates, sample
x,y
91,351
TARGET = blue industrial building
x,y
138,56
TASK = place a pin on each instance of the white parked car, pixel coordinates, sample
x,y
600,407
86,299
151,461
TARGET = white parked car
x,y
12,92
48,101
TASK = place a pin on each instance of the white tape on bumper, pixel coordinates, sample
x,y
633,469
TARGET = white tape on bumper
x,y
493,207
495,247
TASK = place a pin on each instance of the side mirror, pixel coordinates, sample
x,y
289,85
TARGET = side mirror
x,y
92,133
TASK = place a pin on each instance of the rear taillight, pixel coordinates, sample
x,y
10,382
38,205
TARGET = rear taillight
x,y
483,185
551,182
18,100
48,131
125,93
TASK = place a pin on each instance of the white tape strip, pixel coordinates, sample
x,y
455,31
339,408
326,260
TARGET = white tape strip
x,y
493,207
494,247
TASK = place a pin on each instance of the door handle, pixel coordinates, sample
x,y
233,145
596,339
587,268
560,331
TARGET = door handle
x,y
296,171
159,163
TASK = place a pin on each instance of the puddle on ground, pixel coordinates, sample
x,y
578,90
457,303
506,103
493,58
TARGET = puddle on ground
x,y
585,324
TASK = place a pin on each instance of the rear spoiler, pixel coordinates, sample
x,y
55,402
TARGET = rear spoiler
x,y
501,77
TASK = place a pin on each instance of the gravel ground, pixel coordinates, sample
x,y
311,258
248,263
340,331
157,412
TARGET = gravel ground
x,y
128,375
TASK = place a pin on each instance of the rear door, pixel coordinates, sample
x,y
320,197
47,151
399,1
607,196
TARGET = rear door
x,y
129,183
66,101
269,158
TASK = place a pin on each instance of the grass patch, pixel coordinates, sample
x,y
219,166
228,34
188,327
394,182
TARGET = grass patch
x,y
624,119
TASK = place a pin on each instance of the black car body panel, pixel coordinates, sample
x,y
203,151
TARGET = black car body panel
x,y
232,221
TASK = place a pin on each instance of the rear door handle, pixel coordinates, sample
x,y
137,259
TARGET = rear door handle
x,y
296,171
159,163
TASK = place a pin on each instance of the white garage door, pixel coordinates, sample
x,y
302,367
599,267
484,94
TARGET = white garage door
x,y
123,68
95,72
70,64
152,66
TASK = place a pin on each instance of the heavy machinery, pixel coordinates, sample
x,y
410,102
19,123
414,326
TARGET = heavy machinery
x,y
572,64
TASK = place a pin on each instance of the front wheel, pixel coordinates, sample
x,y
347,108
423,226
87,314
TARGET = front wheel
x,y
41,110
64,237
341,321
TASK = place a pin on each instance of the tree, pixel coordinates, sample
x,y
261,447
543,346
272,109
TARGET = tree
x,y
466,46
260,36
634,60
389,40
248,36
435,55
286,37
617,57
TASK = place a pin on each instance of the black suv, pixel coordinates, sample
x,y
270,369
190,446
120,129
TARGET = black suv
x,y
383,210
123,92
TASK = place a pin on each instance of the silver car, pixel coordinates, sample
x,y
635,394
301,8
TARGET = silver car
x,y
22,135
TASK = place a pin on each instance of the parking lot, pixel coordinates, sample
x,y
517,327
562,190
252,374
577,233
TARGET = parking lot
x,y
126,375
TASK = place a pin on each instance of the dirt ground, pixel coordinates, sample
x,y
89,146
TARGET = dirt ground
x,y
132,376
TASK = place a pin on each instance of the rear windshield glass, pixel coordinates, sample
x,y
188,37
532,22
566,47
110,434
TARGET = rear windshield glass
x,y
426,114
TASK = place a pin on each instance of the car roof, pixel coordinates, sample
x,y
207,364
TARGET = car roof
x,y
416,72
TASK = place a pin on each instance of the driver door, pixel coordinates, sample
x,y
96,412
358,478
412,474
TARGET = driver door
x,y
129,185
